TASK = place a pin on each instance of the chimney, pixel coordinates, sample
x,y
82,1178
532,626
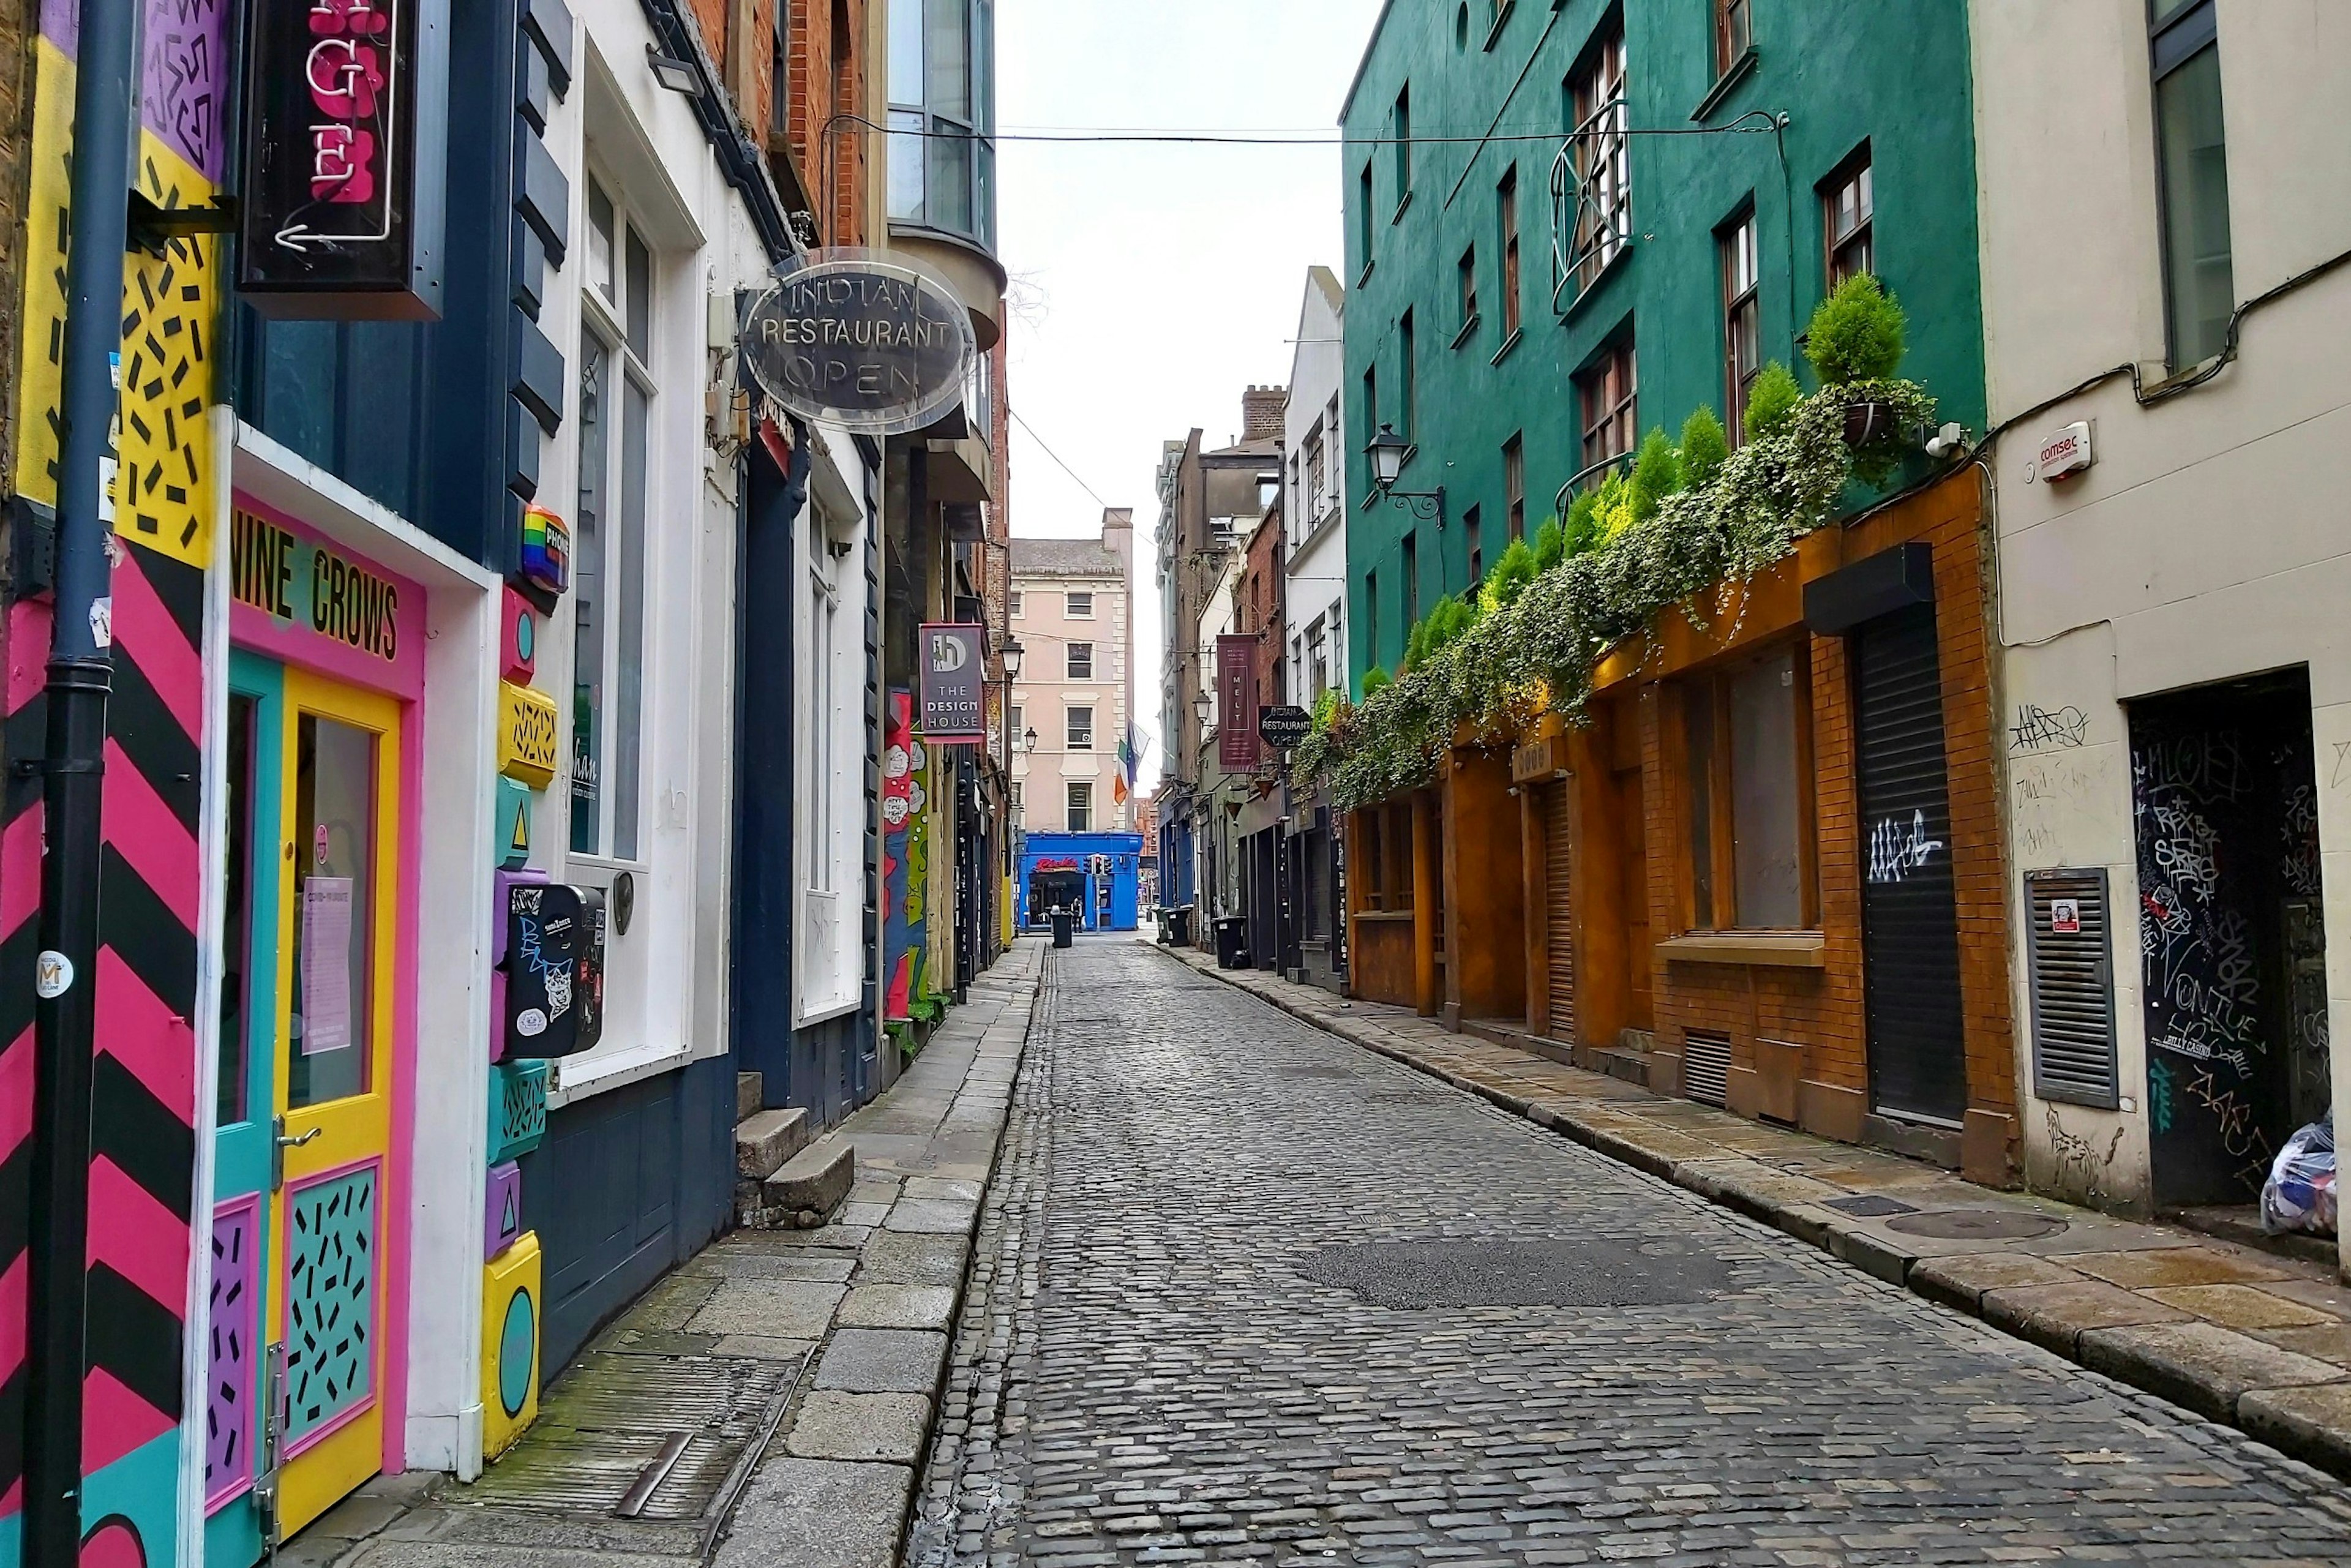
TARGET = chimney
x,y
1263,410
1118,534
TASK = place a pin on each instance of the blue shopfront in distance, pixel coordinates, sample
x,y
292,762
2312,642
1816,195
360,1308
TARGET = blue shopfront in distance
x,y
1096,872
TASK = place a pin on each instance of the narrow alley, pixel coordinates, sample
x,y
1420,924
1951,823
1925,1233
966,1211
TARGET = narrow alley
x,y
1246,1291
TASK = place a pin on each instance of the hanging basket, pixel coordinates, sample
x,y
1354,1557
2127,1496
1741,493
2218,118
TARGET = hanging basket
x,y
1867,421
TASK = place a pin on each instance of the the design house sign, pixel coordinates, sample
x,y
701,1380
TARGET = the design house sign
x,y
877,346
335,225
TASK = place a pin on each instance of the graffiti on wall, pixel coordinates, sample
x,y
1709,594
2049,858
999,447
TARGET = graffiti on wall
x,y
905,860
2225,802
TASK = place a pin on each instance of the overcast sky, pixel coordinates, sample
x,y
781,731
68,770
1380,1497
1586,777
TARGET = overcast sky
x,y
1152,282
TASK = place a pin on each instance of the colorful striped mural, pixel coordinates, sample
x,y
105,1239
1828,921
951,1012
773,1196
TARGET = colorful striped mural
x,y
143,1149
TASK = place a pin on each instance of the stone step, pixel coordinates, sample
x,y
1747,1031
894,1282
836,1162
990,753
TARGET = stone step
x,y
766,1139
750,1089
1632,1066
815,1180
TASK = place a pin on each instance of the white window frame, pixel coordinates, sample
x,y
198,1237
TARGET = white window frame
x,y
1070,670
1070,792
1072,740
1012,603
1069,604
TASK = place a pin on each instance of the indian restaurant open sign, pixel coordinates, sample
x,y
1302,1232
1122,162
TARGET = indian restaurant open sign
x,y
875,344
330,226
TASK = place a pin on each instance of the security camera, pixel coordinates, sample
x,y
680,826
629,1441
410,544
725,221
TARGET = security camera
x,y
1946,441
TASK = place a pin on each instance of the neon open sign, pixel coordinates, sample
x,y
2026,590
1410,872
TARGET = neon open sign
x,y
330,229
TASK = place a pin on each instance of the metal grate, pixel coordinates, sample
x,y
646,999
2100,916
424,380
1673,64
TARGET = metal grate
x,y
1705,1066
2073,988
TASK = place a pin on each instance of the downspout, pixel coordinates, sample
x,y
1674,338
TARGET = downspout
x,y
81,677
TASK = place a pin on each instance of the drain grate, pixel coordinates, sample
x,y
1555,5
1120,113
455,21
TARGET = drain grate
x,y
615,1419
1870,1206
1978,1224
1467,1273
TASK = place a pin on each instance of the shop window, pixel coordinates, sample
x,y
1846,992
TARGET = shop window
x,y
1369,875
1746,770
1080,665
1081,728
2199,270
609,562
1742,320
1081,804
1848,219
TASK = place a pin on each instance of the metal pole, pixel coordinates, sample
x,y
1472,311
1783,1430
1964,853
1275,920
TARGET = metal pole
x,y
81,667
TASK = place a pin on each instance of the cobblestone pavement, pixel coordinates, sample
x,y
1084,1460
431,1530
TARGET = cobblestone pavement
x,y
1246,1292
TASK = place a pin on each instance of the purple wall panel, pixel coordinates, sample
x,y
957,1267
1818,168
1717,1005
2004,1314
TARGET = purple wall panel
x,y
229,1378
180,81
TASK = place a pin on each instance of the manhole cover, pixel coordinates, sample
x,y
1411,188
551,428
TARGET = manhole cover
x,y
1978,1224
1448,1273
1871,1206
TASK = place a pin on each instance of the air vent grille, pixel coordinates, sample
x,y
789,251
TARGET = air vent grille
x,y
2072,987
1706,1067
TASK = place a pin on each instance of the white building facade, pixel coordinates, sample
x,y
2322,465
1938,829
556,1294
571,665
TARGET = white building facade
x,y
2166,327
1314,511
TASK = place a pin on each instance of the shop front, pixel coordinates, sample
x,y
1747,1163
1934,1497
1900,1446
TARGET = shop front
x,y
1094,873
326,683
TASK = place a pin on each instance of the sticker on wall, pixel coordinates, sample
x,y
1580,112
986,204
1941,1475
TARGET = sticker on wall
x,y
554,963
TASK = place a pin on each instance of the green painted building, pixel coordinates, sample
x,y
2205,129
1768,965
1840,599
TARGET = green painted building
x,y
1526,302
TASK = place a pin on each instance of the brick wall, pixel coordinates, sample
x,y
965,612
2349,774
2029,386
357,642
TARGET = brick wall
x,y
1816,1016
824,77
1261,606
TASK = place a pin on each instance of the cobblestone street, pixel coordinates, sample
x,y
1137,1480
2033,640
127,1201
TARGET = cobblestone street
x,y
1246,1291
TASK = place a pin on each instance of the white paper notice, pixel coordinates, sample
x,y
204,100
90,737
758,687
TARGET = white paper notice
x,y
326,965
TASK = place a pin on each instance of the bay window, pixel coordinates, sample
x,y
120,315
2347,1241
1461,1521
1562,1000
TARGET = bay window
x,y
942,160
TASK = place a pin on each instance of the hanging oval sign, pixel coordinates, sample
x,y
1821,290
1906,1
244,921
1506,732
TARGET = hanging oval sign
x,y
876,344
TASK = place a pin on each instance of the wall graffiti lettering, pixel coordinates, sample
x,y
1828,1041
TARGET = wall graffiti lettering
x,y
2038,729
2081,1168
1897,848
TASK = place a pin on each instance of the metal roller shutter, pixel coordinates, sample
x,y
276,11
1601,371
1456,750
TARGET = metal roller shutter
x,y
1559,913
1918,1062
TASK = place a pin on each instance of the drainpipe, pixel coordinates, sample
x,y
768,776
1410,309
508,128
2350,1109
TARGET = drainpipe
x,y
81,669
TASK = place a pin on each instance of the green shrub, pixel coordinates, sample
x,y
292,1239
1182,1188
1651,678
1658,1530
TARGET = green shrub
x,y
1375,681
1583,530
1656,474
1451,617
1612,506
1510,575
1856,335
1550,545
1705,447
1773,399
1416,644
1326,708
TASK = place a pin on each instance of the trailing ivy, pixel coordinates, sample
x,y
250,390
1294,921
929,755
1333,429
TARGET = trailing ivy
x,y
1637,547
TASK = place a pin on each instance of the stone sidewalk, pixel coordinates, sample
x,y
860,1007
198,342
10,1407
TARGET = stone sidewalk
x,y
817,1356
2239,1336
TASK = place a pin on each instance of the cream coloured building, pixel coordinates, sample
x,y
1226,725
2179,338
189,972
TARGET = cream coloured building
x,y
2166,199
1072,612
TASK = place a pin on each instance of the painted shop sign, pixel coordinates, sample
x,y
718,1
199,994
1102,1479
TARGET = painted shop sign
x,y
299,595
878,345
330,229
953,681
1237,739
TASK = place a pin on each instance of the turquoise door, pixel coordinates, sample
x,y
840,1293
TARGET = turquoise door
x,y
245,1147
